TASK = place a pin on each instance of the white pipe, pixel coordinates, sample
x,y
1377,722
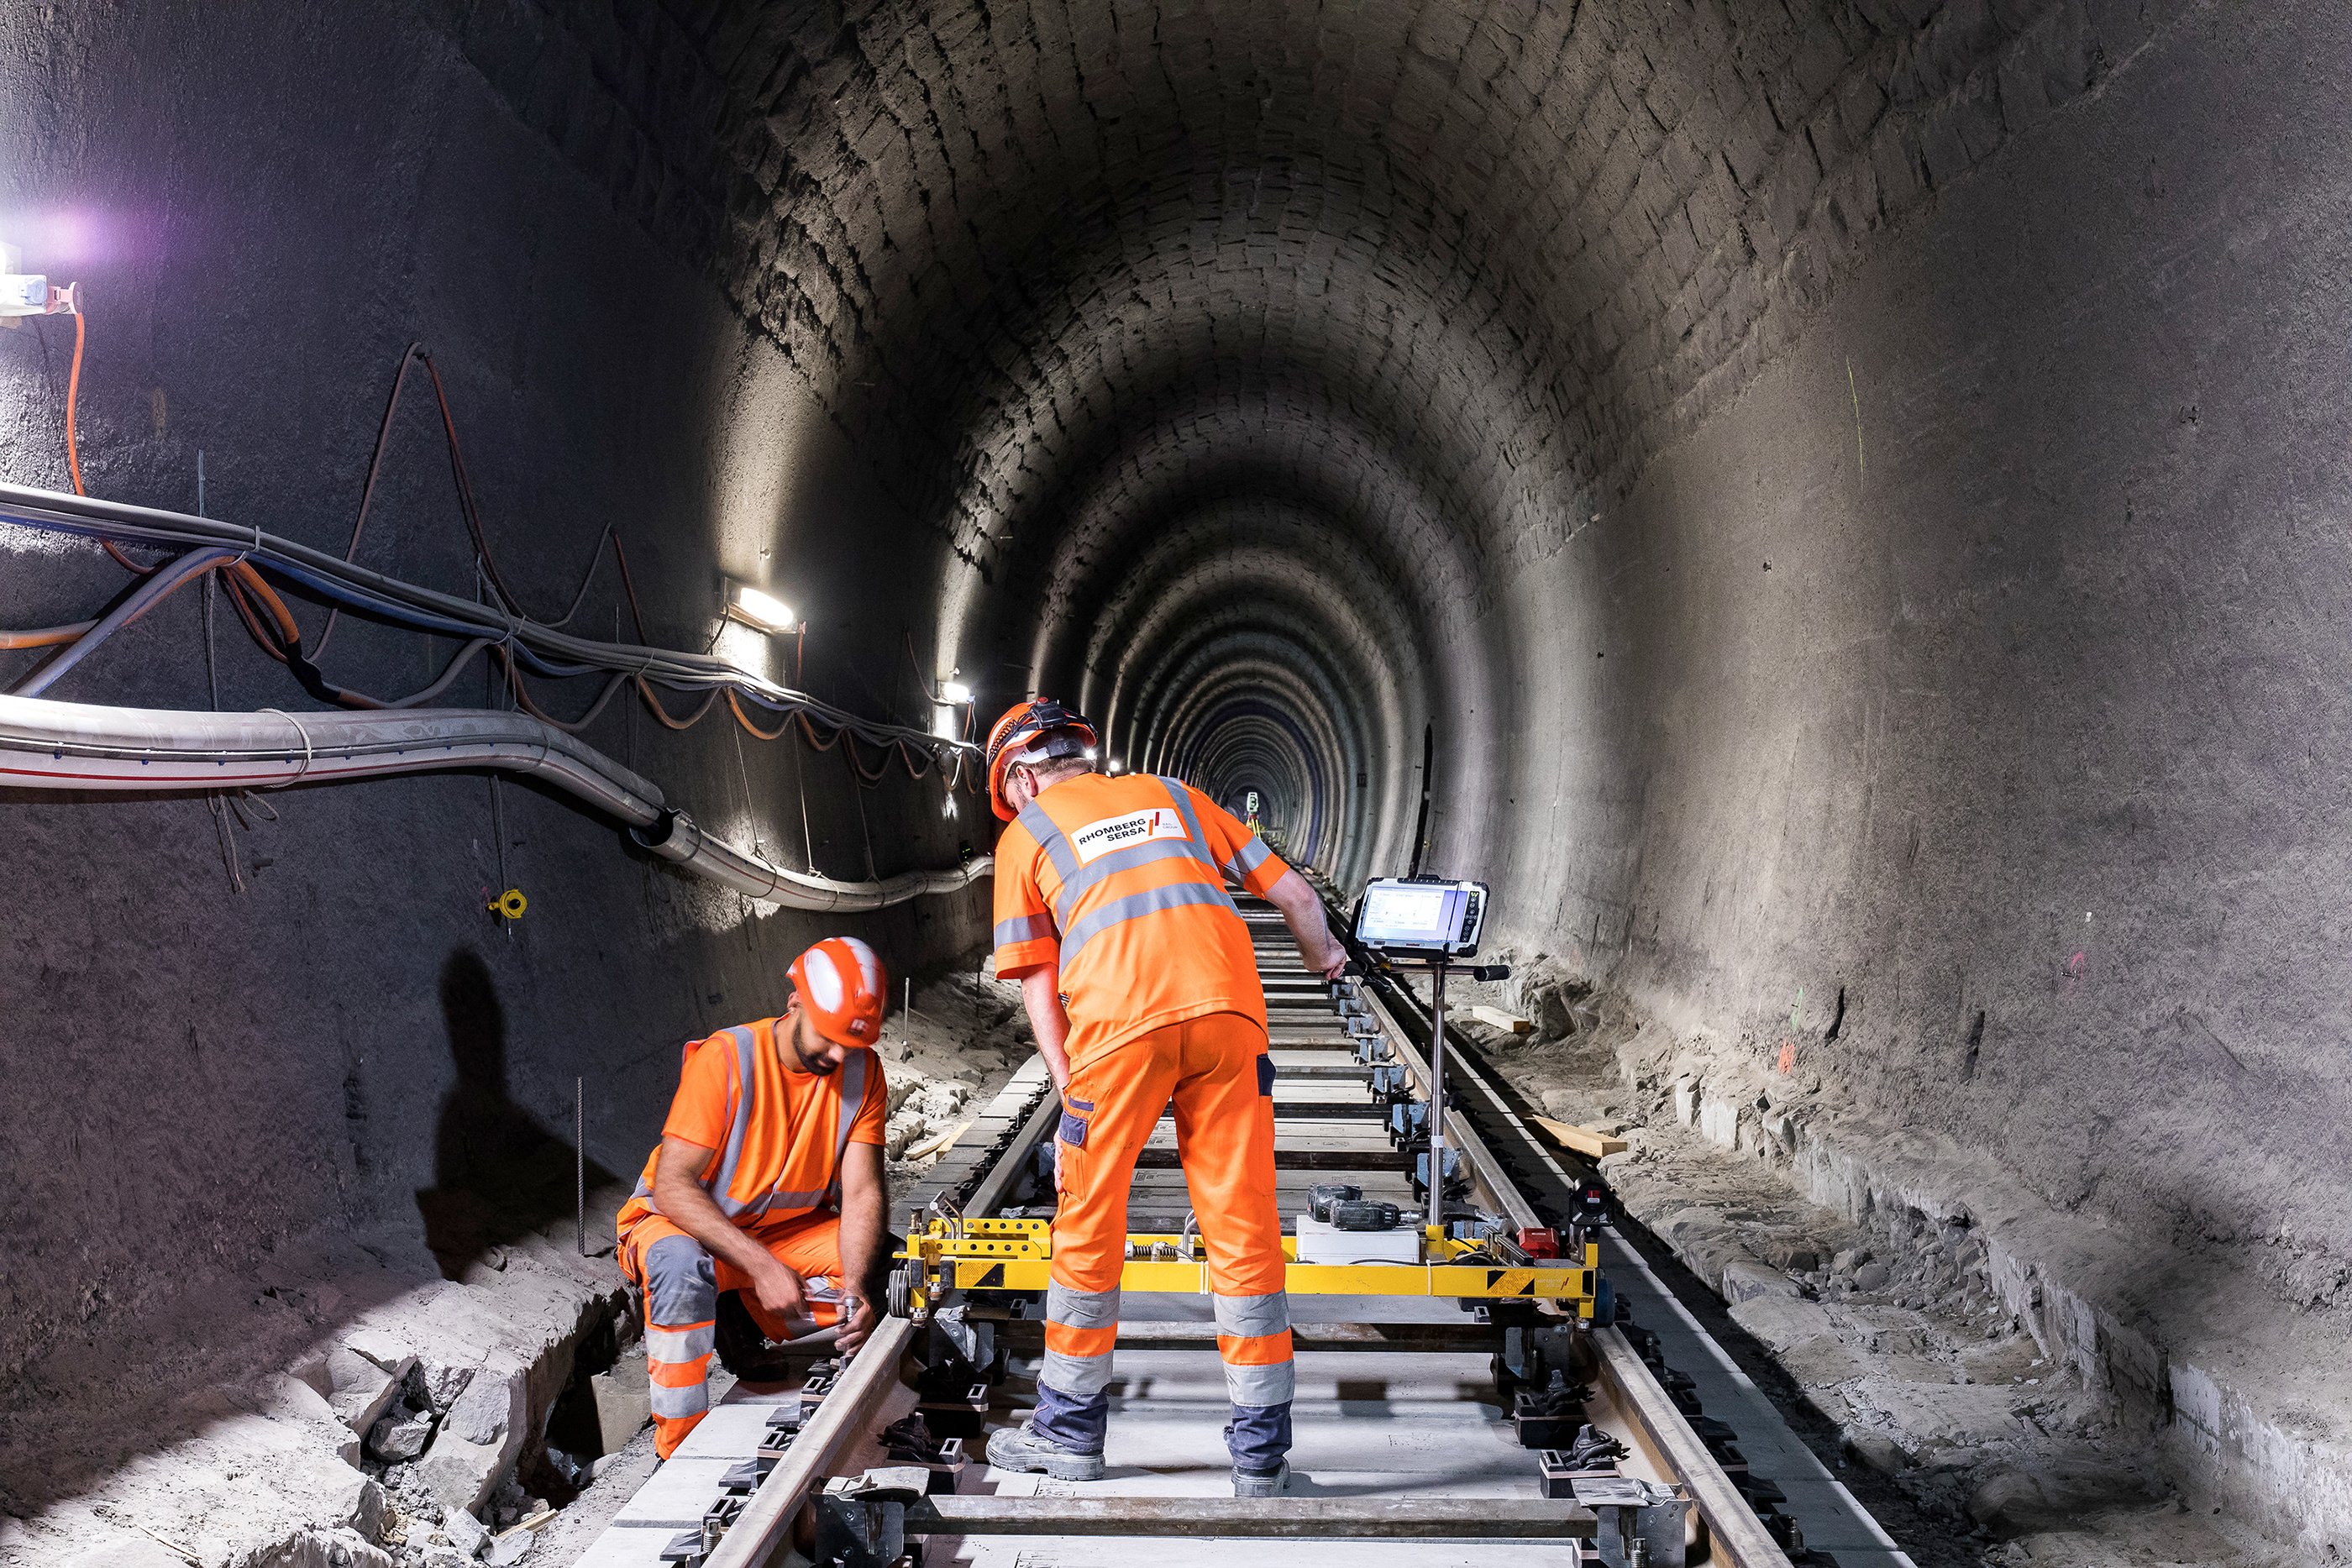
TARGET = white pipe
x,y
50,745
680,838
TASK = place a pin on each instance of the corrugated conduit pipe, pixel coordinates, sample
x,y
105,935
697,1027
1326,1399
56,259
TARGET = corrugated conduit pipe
x,y
62,746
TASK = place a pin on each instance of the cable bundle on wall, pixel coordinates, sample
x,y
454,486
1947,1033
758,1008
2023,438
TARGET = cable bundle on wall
x,y
531,646
48,744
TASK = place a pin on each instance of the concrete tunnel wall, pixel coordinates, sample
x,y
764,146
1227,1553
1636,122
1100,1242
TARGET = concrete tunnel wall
x,y
208,1090
1855,487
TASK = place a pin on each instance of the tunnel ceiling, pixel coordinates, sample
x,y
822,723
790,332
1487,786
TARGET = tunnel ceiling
x,y
1245,358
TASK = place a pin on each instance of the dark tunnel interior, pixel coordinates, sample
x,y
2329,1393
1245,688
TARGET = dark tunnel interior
x,y
1835,510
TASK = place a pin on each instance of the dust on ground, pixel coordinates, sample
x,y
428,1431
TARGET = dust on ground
x,y
1889,1330
392,1417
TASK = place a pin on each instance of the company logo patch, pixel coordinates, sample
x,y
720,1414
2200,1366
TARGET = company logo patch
x,y
1098,839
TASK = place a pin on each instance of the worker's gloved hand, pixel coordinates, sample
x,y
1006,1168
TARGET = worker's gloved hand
x,y
856,1323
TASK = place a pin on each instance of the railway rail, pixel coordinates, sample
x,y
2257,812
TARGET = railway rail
x,y
1538,1398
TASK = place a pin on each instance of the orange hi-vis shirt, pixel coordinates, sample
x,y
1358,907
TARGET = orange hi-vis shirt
x,y
1121,882
776,1134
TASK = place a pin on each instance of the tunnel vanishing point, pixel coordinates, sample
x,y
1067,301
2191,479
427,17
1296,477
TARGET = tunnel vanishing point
x,y
1839,511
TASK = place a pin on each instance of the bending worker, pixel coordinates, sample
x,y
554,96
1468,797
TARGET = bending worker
x,y
1141,985
768,1183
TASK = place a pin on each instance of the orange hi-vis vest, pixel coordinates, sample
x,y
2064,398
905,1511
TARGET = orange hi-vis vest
x,y
1121,882
776,1136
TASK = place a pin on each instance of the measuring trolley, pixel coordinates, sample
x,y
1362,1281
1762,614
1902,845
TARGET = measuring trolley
x,y
1343,1246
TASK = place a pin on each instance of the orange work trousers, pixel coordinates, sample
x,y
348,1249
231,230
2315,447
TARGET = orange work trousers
x,y
682,1283
1216,1071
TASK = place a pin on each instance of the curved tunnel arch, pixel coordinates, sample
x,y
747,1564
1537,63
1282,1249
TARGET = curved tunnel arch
x,y
1817,469
1187,639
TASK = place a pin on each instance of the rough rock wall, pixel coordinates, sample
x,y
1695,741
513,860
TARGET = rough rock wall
x,y
208,1091
1960,714
1981,666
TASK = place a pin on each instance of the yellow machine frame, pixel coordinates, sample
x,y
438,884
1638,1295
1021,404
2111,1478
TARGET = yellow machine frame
x,y
1017,1255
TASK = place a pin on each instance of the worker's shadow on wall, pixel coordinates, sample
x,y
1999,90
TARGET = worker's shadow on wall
x,y
498,1174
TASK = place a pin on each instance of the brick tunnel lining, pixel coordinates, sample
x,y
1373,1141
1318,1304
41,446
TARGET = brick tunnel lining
x,y
1527,311
1459,284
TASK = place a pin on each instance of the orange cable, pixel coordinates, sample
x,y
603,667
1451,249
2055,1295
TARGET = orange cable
x,y
646,690
47,637
73,396
744,719
73,452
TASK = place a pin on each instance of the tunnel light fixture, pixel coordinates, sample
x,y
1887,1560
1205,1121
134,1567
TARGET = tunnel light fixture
x,y
761,611
25,293
954,693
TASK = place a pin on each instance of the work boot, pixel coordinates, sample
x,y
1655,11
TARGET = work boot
x,y
1022,1449
1262,1483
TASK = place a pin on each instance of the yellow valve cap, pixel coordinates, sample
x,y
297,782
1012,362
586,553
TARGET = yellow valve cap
x,y
510,904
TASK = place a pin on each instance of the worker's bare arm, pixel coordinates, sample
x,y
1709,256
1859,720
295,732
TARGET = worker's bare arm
x,y
1041,994
680,1194
1302,911
865,1210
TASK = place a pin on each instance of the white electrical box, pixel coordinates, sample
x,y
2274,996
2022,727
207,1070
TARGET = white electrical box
x,y
1322,1243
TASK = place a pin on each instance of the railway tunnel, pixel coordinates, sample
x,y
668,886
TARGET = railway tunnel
x,y
516,514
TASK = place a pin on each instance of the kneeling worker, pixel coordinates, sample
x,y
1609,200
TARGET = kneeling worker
x,y
1142,984
768,1182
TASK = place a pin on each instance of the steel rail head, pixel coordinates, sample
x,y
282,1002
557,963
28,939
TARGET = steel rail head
x,y
852,1408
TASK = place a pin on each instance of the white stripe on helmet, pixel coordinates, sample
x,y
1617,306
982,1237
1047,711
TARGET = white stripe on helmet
x,y
869,965
823,981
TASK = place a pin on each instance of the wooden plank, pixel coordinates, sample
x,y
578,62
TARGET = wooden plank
x,y
1583,1140
1495,1017
1256,1517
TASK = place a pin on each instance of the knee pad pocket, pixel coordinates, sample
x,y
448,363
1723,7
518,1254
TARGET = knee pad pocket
x,y
681,1284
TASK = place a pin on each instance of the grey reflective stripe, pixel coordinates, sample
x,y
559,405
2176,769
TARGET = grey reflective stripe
x,y
1066,898
675,1403
679,1345
1248,858
1253,1316
745,1061
853,1101
1024,928
1255,1386
1152,901
1183,800
1083,1376
1080,1309
1049,839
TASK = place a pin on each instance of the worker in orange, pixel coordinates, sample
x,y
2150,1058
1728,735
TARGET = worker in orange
x,y
1141,985
768,1182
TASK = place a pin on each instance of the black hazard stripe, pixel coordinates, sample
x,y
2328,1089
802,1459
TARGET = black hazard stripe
x,y
993,1279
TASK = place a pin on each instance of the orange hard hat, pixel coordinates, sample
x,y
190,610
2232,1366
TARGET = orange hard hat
x,y
1023,723
841,983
